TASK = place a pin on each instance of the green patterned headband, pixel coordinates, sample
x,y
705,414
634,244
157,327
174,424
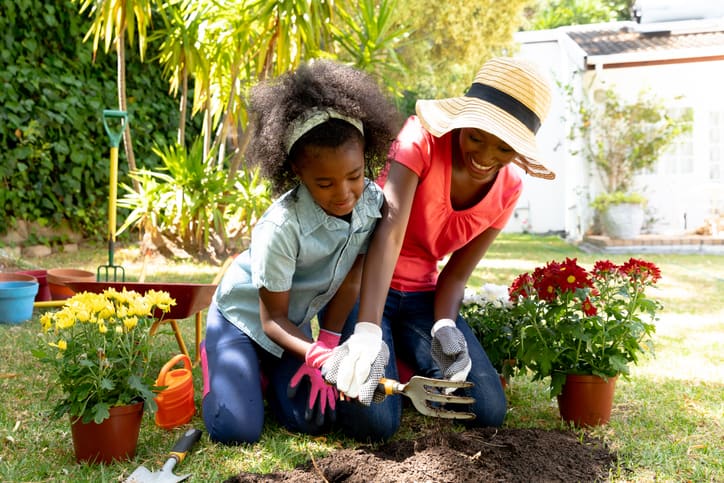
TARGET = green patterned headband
x,y
313,118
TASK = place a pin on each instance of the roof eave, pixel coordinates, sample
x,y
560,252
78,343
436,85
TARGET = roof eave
x,y
674,56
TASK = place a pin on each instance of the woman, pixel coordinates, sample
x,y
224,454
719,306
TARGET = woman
x,y
450,189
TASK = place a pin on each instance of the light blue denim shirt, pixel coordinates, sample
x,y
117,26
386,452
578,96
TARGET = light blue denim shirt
x,y
296,247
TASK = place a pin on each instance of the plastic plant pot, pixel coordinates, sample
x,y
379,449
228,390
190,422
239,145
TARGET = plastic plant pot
x,y
16,301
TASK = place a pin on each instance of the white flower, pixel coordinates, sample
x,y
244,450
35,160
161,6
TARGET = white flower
x,y
490,293
470,297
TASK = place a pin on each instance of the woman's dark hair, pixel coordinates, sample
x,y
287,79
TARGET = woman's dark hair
x,y
318,84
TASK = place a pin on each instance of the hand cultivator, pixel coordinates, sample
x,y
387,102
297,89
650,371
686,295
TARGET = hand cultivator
x,y
423,390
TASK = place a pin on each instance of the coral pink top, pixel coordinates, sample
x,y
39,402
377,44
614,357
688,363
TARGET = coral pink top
x,y
435,229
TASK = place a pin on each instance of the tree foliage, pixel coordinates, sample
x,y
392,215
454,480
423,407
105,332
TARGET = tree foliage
x,y
54,161
549,14
442,56
210,52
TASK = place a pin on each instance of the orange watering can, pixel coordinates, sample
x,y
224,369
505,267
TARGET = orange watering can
x,y
176,402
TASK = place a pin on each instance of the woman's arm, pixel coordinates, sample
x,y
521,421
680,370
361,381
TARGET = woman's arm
x,y
387,241
274,310
453,278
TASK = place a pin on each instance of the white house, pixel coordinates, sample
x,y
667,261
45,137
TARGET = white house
x,y
680,61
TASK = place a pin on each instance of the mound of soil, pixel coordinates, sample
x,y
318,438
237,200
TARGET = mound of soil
x,y
483,454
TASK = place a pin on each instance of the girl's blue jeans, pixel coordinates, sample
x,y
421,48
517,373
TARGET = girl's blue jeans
x,y
233,408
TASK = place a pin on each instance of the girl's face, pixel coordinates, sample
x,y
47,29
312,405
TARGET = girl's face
x,y
334,176
483,154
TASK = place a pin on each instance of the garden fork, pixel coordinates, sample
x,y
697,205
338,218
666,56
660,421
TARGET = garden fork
x,y
423,390
104,272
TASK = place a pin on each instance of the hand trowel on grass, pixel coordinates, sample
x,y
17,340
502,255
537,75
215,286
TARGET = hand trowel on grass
x,y
177,455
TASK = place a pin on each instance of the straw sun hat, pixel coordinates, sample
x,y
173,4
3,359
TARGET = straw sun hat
x,y
509,98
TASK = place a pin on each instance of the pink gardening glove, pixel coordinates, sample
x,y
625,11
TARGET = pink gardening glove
x,y
321,394
320,351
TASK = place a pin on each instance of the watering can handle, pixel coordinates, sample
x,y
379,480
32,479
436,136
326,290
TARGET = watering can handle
x,y
167,367
114,135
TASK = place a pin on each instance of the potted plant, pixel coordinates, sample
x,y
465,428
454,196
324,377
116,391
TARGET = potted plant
x,y
488,314
622,139
98,346
576,322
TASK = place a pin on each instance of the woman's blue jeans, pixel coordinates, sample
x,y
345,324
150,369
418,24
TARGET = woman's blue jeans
x,y
410,316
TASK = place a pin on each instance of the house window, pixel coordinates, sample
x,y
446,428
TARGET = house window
x,y
716,146
679,157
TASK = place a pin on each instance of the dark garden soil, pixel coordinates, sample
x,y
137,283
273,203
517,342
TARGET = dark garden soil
x,y
475,455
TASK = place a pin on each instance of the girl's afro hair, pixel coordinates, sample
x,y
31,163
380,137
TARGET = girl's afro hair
x,y
319,84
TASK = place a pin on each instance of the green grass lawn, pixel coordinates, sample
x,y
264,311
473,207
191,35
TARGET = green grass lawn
x,y
667,422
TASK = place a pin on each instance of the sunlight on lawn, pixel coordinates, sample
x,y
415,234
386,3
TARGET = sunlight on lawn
x,y
512,264
687,348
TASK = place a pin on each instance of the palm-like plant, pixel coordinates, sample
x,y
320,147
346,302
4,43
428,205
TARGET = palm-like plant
x,y
369,36
179,52
113,21
223,47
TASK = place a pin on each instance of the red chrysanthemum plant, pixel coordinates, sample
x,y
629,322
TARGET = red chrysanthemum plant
x,y
576,321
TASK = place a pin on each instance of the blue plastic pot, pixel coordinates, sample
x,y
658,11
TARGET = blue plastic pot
x,y
16,301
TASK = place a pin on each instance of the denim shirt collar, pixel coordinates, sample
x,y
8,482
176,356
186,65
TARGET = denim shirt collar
x,y
312,216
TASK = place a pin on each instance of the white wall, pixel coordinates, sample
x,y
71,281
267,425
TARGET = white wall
x,y
544,203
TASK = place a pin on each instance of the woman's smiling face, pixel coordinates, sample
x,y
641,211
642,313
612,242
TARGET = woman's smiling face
x,y
483,154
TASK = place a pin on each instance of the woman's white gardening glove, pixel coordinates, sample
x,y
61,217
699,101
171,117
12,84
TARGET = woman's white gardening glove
x,y
356,366
450,351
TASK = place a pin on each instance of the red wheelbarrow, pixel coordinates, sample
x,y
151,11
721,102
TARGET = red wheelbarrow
x,y
191,299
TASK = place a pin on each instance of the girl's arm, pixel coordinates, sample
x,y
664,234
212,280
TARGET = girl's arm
x,y
453,278
274,310
387,241
340,306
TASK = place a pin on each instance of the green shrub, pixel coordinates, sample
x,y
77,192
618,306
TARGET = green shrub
x,y
488,313
603,200
55,151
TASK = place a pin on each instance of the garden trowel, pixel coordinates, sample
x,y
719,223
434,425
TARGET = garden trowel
x,y
165,474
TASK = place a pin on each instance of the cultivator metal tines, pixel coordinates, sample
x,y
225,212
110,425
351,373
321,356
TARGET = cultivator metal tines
x,y
428,395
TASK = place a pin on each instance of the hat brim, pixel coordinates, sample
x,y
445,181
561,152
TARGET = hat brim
x,y
440,116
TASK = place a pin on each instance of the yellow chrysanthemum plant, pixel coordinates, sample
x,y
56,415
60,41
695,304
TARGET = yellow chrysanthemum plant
x,y
99,345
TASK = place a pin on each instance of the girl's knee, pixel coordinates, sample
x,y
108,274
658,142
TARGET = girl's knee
x,y
223,427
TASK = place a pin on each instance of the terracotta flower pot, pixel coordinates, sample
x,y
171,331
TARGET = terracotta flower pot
x,y
587,400
115,438
16,277
58,279
43,289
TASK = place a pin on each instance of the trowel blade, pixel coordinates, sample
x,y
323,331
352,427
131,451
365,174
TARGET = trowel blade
x,y
143,475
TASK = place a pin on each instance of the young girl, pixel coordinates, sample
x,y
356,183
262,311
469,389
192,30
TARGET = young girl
x,y
317,132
